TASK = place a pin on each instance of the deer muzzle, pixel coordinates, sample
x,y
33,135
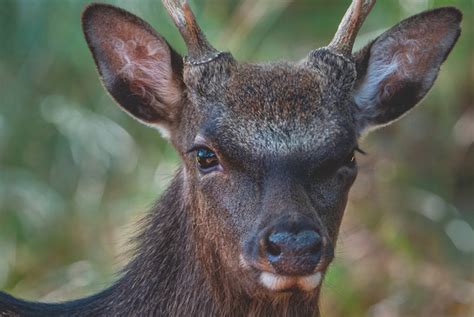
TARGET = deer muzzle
x,y
291,253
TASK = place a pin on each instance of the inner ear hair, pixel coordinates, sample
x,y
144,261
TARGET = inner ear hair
x,y
136,64
396,70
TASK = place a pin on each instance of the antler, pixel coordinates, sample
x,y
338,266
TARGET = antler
x,y
347,31
199,49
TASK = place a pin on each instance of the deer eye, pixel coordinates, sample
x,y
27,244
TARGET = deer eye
x,y
206,160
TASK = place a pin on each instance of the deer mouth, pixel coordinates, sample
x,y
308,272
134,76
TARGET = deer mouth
x,y
281,283
284,283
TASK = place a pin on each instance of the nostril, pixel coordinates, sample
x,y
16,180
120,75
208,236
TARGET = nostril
x,y
273,249
277,243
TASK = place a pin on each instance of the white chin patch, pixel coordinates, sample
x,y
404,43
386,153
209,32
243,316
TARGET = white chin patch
x,y
309,282
277,282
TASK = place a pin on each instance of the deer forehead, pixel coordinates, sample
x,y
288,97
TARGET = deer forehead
x,y
280,138
278,108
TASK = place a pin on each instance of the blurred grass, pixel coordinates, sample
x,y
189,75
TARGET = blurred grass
x,y
75,171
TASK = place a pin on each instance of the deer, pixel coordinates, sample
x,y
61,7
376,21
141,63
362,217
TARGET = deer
x,y
249,224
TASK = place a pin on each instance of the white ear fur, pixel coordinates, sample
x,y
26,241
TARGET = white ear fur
x,y
137,66
375,87
151,76
401,65
380,68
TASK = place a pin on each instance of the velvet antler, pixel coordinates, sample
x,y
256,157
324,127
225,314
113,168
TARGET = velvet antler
x,y
199,49
347,31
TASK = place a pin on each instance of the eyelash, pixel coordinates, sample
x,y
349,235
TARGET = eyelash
x,y
351,158
359,150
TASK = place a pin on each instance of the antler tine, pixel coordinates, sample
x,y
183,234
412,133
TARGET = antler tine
x,y
347,31
199,49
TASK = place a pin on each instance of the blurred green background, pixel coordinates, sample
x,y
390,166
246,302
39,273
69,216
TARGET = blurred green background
x,y
76,172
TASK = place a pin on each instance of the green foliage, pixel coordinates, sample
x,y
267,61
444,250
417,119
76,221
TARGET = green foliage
x,y
75,171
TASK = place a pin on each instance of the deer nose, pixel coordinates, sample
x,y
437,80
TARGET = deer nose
x,y
293,252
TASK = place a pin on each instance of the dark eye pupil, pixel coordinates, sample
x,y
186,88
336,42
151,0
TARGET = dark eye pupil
x,y
206,159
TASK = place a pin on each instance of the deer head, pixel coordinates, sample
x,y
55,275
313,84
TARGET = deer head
x,y
268,150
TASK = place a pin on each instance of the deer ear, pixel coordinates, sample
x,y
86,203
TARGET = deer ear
x,y
137,66
397,69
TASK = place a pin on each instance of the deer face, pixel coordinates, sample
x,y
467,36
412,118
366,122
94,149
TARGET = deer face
x,y
268,150
271,154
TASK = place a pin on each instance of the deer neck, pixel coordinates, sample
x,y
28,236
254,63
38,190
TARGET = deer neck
x,y
168,276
